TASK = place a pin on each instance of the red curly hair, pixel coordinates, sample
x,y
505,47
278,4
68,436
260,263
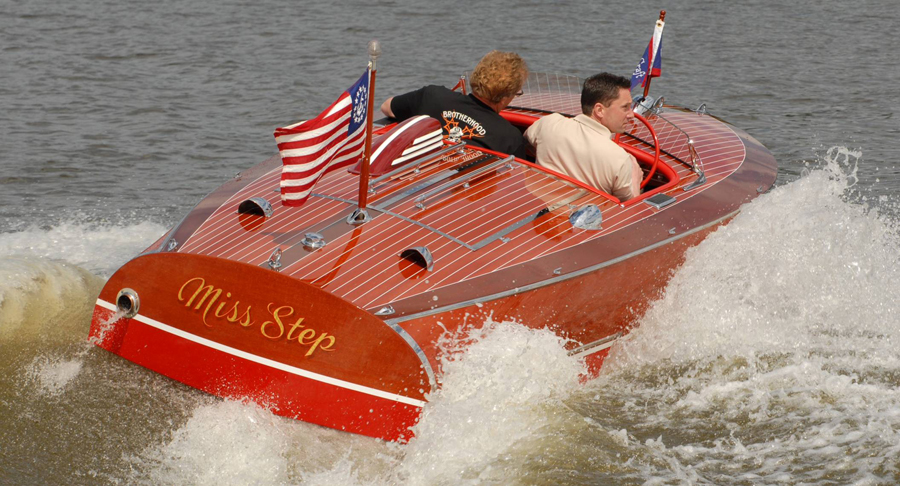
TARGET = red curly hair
x,y
498,75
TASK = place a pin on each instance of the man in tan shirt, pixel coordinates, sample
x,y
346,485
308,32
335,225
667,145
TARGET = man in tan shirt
x,y
582,147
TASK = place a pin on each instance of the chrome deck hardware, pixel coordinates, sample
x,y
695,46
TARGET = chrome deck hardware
x,y
659,201
313,241
420,255
697,167
587,217
359,216
643,106
275,260
385,311
128,303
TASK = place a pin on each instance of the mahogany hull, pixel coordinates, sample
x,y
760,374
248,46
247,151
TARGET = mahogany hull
x,y
346,335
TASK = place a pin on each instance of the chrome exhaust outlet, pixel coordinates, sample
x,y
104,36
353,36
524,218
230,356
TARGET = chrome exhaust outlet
x,y
128,303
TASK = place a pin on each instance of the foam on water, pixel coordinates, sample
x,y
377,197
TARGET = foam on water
x,y
40,297
58,393
801,267
499,396
52,375
50,274
99,248
223,443
772,355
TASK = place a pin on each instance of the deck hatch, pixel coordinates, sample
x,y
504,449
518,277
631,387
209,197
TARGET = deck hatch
x,y
660,201
440,177
490,203
482,206
465,182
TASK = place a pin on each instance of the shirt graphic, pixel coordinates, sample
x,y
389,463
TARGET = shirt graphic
x,y
460,126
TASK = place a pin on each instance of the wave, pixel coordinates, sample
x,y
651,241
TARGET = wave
x,y
800,269
50,276
500,397
44,300
98,248
772,354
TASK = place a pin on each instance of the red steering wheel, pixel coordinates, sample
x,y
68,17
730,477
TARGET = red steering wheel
x,y
655,144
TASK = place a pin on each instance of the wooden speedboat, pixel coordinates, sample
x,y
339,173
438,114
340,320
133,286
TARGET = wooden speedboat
x,y
337,323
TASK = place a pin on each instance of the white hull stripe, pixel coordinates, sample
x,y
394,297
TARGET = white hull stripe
x,y
268,362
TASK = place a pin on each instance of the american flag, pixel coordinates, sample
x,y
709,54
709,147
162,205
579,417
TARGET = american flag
x,y
312,148
650,65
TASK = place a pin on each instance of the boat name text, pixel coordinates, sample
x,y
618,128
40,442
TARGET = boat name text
x,y
214,304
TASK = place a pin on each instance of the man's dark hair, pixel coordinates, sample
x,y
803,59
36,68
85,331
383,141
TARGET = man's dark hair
x,y
601,88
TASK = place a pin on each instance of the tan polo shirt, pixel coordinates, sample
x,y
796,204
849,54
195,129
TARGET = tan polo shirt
x,y
582,149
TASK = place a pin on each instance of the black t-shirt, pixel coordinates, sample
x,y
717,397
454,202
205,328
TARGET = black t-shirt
x,y
462,117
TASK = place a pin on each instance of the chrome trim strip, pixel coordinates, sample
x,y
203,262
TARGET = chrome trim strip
x,y
398,216
268,362
596,346
441,176
429,228
509,229
426,365
462,180
554,280
522,222
409,165
333,198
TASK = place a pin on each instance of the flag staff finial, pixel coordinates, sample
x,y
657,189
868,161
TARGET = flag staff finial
x,y
375,50
360,215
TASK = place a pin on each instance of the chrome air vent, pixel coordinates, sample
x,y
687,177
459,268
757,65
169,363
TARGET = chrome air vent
x,y
419,255
256,206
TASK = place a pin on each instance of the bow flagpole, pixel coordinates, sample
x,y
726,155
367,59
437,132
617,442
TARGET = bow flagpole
x,y
360,215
